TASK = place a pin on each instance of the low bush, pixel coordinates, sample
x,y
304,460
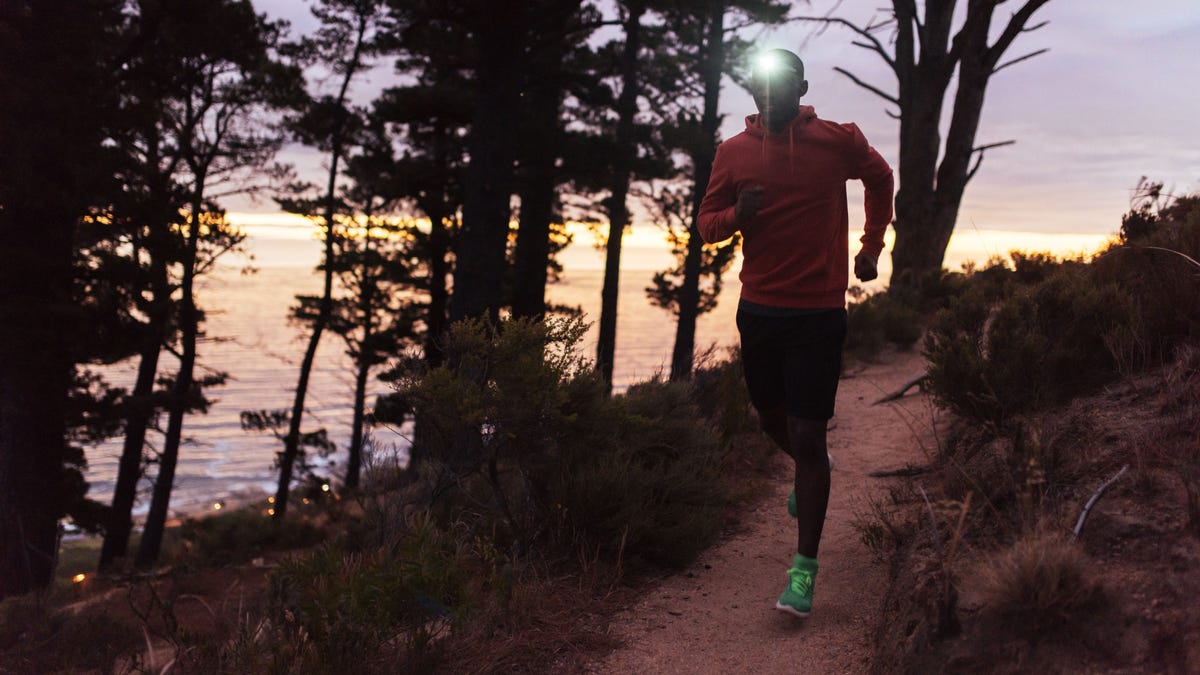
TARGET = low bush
x,y
653,488
36,636
1039,583
516,422
880,319
1155,260
240,535
989,362
345,611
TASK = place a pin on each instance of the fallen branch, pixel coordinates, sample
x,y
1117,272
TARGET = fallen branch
x,y
899,393
903,472
1092,502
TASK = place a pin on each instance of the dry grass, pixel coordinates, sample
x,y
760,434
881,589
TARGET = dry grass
x,y
1038,583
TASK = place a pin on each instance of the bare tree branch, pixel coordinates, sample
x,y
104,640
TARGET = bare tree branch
x,y
981,149
876,46
1019,59
889,113
979,160
874,90
1016,26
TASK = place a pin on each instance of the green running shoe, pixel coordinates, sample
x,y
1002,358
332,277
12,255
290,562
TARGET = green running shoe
x,y
797,597
792,496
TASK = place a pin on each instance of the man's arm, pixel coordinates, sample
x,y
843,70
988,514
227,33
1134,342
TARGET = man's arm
x,y
717,220
873,170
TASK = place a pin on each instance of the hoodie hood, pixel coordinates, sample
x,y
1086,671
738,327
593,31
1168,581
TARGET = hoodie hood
x,y
756,127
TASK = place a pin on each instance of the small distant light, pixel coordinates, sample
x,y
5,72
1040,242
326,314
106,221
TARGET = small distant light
x,y
306,500
325,487
217,506
270,500
270,512
78,578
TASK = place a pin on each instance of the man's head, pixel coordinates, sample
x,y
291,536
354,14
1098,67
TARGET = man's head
x,y
777,83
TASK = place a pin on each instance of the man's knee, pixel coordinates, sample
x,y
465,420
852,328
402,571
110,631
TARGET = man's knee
x,y
807,438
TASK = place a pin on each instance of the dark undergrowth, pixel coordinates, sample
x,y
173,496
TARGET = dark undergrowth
x,y
1059,376
534,506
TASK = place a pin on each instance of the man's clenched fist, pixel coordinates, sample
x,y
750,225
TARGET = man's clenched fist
x,y
749,201
865,267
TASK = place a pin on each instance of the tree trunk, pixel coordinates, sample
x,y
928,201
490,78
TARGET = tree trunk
x,y
479,265
142,405
180,397
291,442
365,358
354,462
538,195
618,209
702,158
438,211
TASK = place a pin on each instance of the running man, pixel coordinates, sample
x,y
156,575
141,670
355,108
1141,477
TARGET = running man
x,y
782,183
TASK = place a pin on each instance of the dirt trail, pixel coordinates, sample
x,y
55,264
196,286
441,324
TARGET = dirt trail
x,y
718,616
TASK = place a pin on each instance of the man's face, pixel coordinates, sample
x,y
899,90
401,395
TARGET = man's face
x,y
776,87
777,91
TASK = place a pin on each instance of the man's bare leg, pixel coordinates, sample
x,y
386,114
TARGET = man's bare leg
x,y
808,445
805,442
774,424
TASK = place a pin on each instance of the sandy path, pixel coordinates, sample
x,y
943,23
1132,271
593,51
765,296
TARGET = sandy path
x,y
718,616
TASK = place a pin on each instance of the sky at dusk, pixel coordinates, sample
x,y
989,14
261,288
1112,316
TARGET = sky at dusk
x,y
1117,97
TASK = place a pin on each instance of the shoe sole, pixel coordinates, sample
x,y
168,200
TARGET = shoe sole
x,y
791,610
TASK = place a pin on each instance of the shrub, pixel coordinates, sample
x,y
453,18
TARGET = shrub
x,y
340,610
238,536
36,637
880,319
517,423
1039,583
1038,347
651,487
718,388
1151,262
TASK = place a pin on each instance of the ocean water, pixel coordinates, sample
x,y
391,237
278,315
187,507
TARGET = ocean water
x,y
249,337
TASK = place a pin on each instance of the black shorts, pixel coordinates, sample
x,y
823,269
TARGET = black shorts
x,y
793,361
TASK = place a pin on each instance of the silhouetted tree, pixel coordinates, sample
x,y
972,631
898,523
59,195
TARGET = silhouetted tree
x,y
925,54
381,267
624,153
229,82
147,229
559,28
54,55
343,43
432,117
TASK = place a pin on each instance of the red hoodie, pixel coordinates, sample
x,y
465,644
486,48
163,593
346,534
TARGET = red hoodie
x,y
795,250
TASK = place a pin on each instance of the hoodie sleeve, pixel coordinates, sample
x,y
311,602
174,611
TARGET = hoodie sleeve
x,y
716,221
873,170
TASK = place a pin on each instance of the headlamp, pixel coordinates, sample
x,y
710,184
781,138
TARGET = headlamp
x,y
771,64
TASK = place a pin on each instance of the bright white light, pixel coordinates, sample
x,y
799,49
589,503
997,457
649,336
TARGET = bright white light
x,y
768,63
